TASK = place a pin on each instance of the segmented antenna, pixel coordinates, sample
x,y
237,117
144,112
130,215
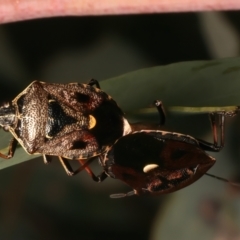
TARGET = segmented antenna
x,y
224,180
128,194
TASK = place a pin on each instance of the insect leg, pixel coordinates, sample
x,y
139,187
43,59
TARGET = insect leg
x,y
66,165
70,172
68,169
46,159
101,177
11,149
217,120
94,82
158,104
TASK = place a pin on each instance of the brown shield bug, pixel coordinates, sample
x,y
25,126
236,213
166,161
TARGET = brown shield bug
x,y
156,162
72,121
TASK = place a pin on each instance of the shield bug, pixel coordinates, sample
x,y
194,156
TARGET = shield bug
x,y
71,121
157,162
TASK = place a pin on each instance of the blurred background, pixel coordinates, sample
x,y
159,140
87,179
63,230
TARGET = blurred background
x,y
42,202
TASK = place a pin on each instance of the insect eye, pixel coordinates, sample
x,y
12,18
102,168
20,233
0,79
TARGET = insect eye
x,y
5,128
6,105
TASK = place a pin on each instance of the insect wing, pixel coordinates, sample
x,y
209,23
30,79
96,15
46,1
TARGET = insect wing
x,y
152,163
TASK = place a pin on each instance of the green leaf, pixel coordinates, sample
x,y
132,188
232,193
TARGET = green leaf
x,y
198,86
190,84
19,156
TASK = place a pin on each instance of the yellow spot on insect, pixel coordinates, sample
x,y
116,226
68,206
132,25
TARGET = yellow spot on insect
x,y
92,122
150,167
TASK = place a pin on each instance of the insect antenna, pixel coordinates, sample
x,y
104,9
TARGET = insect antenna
x,y
224,180
131,193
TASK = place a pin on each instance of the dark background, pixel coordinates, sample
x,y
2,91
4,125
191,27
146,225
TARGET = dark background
x,y
42,202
